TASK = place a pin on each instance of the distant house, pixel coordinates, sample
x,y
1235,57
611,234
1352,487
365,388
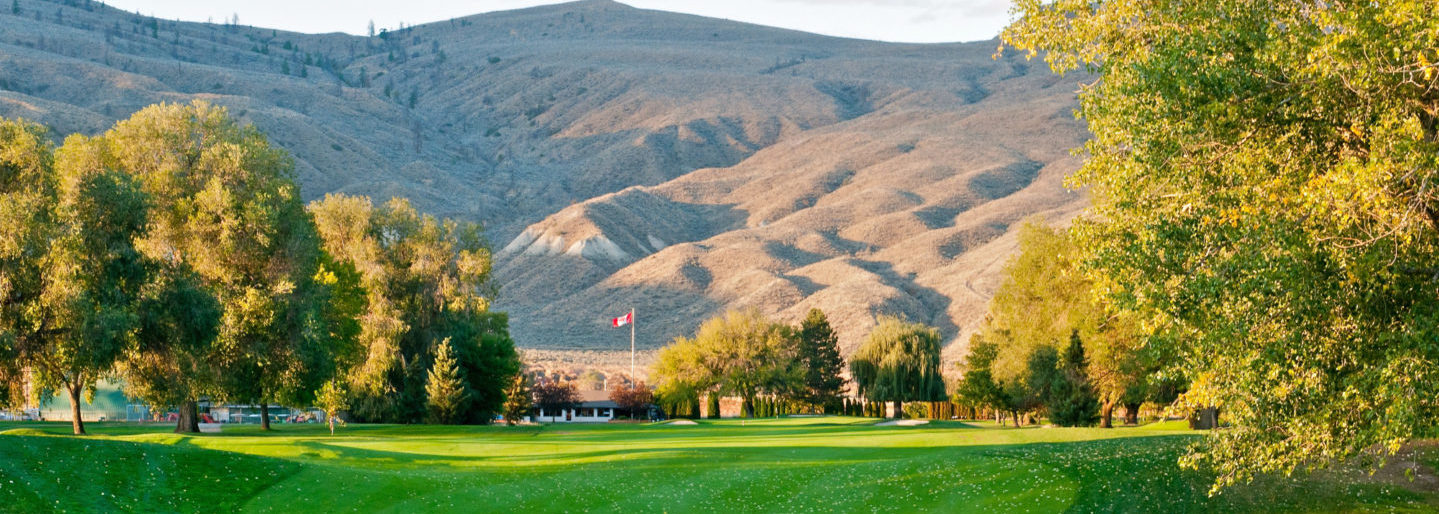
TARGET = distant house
x,y
594,407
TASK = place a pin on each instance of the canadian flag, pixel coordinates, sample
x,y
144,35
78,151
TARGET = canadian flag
x,y
623,320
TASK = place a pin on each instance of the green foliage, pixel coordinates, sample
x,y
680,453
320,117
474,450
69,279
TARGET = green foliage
x,y
27,201
445,394
819,356
1262,181
70,277
714,405
424,280
899,362
331,399
1071,401
517,399
977,387
1044,297
740,353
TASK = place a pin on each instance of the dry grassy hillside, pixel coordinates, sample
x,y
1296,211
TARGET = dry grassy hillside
x,y
621,157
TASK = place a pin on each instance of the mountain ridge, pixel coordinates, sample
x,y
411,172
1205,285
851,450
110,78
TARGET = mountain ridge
x,y
679,164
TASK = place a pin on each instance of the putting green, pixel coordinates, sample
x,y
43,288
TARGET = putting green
x,y
776,465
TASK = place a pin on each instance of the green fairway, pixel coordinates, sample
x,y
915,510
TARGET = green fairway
x,y
799,464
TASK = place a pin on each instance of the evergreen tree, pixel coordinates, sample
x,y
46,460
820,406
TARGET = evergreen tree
x,y
819,355
447,399
1071,400
517,399
713,406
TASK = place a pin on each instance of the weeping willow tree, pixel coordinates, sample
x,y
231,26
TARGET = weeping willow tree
x,y
899,362
741,353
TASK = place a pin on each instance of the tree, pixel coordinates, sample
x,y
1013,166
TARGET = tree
x,y
179,321
27,197
554,396
332,398
740,353
899,362
517,399
819,357
425,280
446,397
977,386
1261,177
632,398
224,205
1071,401
1045,295
73,273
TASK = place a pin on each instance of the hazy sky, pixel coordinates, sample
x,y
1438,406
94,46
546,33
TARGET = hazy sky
x,y
885,20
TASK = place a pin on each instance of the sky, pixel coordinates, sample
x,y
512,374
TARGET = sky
x,y
912,21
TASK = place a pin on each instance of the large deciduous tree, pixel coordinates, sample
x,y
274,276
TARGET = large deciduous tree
x,y
1263,177
425,280
740,353
224,204
27,202
73,276
899,362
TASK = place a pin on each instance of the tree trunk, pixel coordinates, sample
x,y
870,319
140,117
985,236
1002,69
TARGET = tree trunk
x,y
1131,413
189,418
265,416
898,410
330,418
1016,418
76,422
1107,413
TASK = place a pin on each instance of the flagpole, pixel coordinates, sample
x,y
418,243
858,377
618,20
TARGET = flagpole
x,y
632,343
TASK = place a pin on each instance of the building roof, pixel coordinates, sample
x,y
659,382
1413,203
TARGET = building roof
x,y
596,399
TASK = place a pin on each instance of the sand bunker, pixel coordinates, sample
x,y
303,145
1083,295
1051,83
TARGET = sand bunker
x,y
902,423
683,422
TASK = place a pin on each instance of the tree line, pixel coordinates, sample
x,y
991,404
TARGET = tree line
x,y
1050,347
174,252
774,368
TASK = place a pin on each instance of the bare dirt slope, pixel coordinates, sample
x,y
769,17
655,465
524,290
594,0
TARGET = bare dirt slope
x,y
621,157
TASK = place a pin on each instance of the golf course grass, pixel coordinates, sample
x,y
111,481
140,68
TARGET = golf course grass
x,y
774,465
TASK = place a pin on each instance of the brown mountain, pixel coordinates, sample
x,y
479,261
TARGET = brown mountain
x,y
621,157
